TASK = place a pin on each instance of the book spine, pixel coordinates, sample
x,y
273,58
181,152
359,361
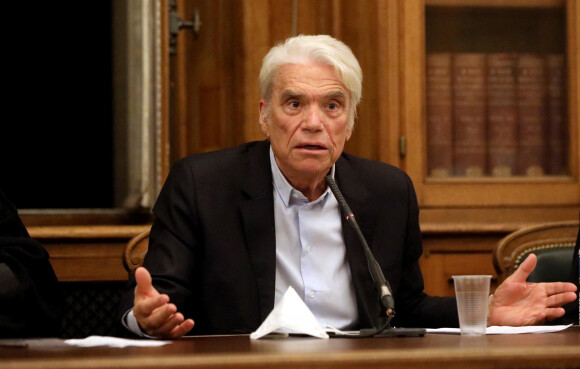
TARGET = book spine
x,y
531,115
557,128
439,115
502,114
469,114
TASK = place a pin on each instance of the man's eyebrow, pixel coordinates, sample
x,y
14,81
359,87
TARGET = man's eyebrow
x,y
336,95
290,94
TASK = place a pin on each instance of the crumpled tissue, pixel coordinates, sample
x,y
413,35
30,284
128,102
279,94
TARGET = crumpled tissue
x,y
290,315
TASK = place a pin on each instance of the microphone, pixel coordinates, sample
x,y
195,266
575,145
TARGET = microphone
x,y
383,288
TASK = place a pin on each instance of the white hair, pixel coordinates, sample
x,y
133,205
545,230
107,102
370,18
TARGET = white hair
x,y
304,49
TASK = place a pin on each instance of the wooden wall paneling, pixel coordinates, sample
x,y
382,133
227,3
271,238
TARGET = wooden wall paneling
x,y
256,42
359,30
306,17
212,100
315,17
86,253
499,3
182,112
89,260
281,13
438,268
208,79
492,219
231,75
447,254
388,81
573,24
412,31
234,125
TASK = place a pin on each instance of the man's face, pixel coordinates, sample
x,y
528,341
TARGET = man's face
x,y
307,121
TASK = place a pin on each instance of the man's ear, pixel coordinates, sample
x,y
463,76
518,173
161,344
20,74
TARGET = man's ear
x,y
263,118
348,133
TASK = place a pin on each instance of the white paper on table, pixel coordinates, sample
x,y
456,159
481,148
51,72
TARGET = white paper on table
x,y
94,341
290,315
507,329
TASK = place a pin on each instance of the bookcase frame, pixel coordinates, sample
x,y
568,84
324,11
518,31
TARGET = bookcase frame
x,y
484,191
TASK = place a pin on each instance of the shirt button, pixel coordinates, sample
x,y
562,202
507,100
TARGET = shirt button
x,y
312,294
307,249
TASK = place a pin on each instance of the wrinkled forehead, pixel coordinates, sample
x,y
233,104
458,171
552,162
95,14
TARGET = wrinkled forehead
x,y
296,79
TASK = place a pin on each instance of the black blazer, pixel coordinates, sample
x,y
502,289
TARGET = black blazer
x,y
31,300
212,245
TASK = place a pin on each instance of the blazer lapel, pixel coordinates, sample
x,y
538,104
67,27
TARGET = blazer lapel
x,y
257,213
357,197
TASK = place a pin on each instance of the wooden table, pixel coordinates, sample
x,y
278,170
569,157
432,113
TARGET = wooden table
x,y
561,350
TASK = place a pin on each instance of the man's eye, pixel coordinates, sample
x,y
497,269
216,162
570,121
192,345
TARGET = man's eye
x,y
333,106
295,104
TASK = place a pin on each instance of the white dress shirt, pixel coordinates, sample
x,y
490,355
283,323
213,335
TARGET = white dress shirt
x,y
311,254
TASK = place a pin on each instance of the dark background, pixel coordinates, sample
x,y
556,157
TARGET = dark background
x,y
56,142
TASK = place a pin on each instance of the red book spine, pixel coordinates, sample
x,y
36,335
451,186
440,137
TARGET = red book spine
x,y
439,115
531,115
557,143
469,114
502,114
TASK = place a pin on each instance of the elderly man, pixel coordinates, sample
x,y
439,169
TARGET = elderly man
x,y
235,228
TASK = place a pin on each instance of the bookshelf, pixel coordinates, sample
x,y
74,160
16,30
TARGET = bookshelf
x,y
463,216
530,32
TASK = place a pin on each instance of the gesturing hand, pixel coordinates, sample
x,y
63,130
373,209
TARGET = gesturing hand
x,y
517,302
155,315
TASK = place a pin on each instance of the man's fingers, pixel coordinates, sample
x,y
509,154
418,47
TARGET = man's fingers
x,y
555,313
144,283
157,318
559,287
182,329
560,299
525,268
174,327
145,306
164,328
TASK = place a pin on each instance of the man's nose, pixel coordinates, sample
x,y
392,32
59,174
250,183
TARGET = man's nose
x,y
313,118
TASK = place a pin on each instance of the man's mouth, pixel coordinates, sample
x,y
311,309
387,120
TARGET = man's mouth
x,y
312,147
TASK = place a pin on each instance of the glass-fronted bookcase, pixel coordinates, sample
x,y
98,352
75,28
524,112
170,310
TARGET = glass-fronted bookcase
x,y
490,100
488,96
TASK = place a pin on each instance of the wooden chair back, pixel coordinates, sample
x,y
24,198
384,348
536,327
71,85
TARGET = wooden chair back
x,y
135,251
553,244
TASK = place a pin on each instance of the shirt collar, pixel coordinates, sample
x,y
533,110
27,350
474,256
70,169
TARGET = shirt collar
x,y
288,194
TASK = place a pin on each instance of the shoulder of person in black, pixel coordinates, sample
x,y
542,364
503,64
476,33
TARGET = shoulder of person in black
x,y
31,303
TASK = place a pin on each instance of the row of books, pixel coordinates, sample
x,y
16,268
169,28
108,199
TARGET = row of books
x,y
496,114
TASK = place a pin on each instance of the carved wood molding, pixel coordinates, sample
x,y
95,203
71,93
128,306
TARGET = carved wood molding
x,y
87,232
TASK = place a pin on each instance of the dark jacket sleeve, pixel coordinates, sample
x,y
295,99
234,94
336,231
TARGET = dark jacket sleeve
x,y
418,309
212,244
30,297
170,258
